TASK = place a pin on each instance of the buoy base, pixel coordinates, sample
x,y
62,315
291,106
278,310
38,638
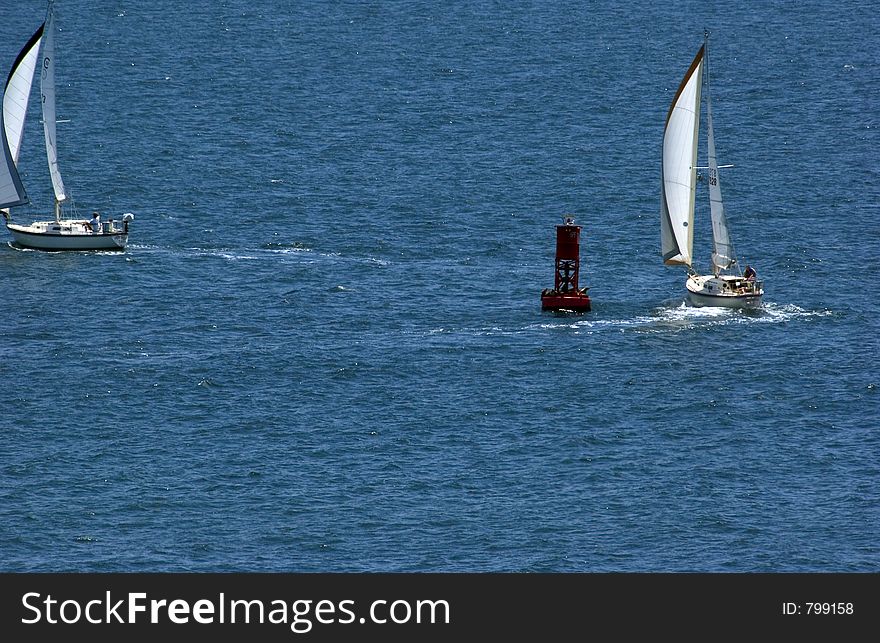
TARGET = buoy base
x,y
578,302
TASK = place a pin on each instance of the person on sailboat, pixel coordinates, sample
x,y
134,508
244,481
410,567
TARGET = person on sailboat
x,y
749,273
95,223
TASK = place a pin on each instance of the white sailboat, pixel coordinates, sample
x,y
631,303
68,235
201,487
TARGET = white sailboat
x,y
60,233
727,285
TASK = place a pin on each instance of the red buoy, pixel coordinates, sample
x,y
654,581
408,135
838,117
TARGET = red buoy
x,y
565,294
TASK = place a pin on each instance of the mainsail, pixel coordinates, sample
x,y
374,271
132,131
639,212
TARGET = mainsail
x,y
47,92
15,103
679,174
723,255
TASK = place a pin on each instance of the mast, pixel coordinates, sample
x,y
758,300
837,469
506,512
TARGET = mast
x,y
723,255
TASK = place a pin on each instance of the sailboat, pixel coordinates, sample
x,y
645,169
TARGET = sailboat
x,y
727,285
60,233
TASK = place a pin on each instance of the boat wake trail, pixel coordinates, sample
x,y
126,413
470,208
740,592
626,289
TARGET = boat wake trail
x,y
670,319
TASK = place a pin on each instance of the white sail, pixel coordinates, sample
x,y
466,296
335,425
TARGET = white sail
x,y
679,174
15,102
11,188
47,91
723,255
18,91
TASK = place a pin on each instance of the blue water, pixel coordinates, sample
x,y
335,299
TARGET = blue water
x,y
323,349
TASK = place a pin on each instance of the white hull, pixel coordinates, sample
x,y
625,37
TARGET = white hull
x,y
68,235
728,291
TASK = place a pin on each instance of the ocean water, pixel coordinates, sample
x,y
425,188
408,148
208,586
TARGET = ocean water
x,y
323,349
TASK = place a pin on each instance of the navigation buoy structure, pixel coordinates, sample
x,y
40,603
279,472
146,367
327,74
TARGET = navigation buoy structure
x,y
566,295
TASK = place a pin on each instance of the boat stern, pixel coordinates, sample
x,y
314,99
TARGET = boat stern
x,y
728,291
